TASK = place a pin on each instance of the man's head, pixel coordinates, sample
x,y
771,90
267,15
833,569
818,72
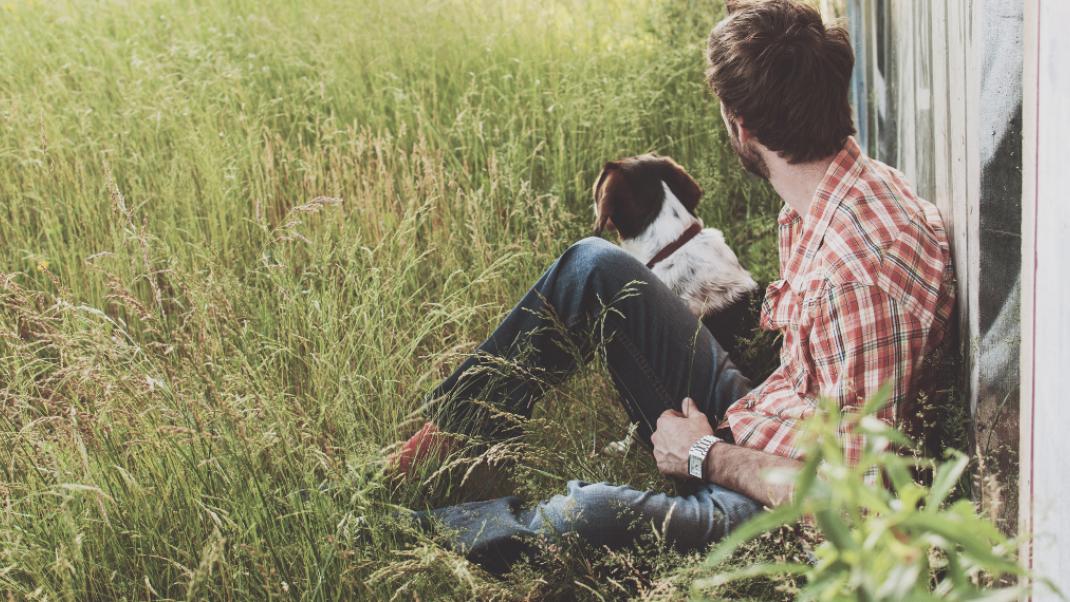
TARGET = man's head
x,y
783,77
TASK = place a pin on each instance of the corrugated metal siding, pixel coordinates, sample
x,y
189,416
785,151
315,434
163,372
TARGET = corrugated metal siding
x,y
938,94
1046,293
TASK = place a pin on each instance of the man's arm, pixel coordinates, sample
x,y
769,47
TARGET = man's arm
x,y
745,470
737,468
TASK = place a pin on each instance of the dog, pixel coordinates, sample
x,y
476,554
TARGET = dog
x,y
650,201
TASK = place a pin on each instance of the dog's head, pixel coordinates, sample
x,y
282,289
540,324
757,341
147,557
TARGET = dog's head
x,y
628,194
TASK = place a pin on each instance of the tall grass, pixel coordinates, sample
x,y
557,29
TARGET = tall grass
x,y
240,240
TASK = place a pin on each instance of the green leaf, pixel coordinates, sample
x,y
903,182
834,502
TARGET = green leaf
x,y
805,481
878,400
902,580
751,572
835,529
762,523
824,586
962,534
898,474
959,579
879,542
946,477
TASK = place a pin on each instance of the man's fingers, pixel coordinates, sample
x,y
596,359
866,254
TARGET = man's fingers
x,y
690,408
671,414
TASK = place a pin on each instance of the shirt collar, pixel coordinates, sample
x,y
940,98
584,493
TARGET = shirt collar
x,y
787,216
840,176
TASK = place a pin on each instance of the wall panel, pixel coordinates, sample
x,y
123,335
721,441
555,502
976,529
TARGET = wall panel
x,y
938,95
1046,293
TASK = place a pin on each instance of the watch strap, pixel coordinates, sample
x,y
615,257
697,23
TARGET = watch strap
x,y
697,454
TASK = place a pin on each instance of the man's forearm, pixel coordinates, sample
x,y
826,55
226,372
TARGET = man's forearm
x,y
744,470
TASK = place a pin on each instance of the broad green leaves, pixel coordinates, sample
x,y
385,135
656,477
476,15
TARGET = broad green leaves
x,y
902,541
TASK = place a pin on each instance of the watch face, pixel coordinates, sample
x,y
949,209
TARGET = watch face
x,y
694,466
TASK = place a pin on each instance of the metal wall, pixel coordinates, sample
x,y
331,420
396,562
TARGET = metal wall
x,y
938,94
1046,294
972,101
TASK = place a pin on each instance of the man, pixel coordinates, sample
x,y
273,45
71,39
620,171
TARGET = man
x,y
866,292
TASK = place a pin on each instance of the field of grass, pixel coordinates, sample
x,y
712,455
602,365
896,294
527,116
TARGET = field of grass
x,y
239,240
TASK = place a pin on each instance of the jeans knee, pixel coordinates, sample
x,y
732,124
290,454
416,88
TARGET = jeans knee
x,y
590,496
597,256
591,249
594,511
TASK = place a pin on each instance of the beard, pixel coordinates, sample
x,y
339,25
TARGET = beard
x,y
749,157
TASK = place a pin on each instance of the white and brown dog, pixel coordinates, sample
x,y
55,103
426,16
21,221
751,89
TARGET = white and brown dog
x,y
650,202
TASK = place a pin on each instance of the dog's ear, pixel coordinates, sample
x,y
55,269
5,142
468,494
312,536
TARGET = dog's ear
x,y
680,183
603,201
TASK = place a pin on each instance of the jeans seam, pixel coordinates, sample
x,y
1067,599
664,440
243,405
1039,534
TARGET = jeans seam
x,y
644,366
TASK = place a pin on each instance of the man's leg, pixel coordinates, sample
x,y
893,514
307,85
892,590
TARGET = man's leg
x,y
496,532
615,515
657,353
594,298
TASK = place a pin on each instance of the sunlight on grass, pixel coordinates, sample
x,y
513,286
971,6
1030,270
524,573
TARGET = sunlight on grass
x,y
242,239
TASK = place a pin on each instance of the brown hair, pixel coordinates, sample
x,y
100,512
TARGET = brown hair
x,y
776,65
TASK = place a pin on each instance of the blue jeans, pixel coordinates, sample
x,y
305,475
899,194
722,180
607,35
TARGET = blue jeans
x,y
595,298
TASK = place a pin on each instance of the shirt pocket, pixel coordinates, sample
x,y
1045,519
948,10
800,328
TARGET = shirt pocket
x,y
786,307
781,306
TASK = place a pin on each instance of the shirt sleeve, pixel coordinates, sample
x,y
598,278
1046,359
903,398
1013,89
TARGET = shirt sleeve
x,y
862,339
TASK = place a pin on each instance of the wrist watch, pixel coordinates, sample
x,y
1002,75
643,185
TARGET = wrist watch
x,y
696,458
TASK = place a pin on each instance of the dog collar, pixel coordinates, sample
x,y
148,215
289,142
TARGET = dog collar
x,y
671,248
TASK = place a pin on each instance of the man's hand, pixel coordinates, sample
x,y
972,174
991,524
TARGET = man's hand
x,y
674,435
737,468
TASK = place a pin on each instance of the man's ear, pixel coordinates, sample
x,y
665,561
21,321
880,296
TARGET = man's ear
x,y
602,200
681,184
740,130
733,6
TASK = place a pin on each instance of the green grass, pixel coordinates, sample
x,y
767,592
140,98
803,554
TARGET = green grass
x,y
203,351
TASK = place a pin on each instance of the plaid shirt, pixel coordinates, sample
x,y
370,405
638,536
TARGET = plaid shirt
x,y
866,292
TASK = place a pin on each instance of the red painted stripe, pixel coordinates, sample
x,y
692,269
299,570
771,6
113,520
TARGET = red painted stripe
x,y
1036,263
